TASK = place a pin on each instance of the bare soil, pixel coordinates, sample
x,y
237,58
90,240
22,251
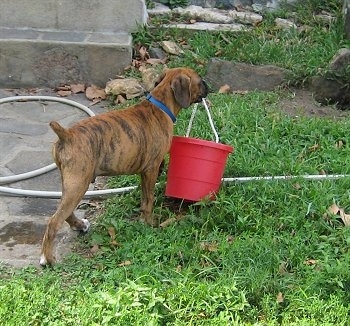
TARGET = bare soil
x,y
302,103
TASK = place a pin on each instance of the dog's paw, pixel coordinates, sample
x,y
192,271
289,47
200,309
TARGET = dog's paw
x,y
46,262
43,261
83,225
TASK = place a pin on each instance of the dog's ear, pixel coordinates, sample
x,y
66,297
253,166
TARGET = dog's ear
x,y
181,89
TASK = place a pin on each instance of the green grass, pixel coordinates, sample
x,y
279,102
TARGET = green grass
x,y
304,52
225,261
261,253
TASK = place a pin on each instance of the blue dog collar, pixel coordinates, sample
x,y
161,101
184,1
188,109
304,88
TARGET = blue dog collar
x,y
161,106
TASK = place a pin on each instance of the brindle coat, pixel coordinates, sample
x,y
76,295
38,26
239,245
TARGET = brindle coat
x,y
130,141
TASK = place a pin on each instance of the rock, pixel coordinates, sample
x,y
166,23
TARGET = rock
x,y
284,23
325,18
202,26
130,87
334,86
245,17
171,48
329,91
204,14
244,77
159,9
156,53
341,61
225,4
149,77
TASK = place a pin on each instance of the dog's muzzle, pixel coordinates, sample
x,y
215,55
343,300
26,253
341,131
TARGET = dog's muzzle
x,y
204,91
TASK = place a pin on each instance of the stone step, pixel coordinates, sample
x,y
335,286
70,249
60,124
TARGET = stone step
x,y
74,15
32,58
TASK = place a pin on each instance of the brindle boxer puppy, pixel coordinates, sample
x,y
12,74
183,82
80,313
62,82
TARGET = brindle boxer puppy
x,y
130,141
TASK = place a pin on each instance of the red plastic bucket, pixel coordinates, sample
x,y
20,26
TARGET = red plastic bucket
x,y
196,168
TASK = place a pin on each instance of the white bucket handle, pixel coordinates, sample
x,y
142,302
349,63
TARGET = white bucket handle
x,y
194,110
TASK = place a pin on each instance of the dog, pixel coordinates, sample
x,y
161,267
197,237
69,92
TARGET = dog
x,y
134,140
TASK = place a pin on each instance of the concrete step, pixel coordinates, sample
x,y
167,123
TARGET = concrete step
x,y
48,43
31,57
76,15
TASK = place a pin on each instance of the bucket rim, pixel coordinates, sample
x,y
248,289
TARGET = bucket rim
x,y
203,142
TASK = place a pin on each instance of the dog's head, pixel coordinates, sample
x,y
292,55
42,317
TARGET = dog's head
x,y
186,85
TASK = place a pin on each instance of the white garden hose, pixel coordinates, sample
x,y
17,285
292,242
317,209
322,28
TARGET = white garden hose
x,y
48,168
99,193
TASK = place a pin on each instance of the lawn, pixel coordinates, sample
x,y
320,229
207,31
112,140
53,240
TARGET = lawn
x,y
261,253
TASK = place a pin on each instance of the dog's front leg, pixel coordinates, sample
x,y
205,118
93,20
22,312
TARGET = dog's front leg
x,y
148,181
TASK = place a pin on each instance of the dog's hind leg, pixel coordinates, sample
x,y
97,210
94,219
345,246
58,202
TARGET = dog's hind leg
x,y
73,192
148,182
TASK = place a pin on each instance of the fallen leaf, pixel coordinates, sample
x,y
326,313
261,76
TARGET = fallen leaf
x,y
282,268
94,249
339,144
63,93
95,101
224,89
136,63
310,262
93,93
205,263
167,222
297,186
345,217
280,297
125,263
334,209
209,246
114,243
238,92
77,88
111,232
143,53
314,148
63,88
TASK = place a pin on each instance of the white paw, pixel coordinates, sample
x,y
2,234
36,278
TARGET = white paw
x,y
43,261
86,225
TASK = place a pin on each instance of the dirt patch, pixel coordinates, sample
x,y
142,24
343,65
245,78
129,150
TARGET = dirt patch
x,y
300,102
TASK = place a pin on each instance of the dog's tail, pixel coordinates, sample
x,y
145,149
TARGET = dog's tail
x,y
59,130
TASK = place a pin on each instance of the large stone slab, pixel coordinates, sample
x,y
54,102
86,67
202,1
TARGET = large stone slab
x,y
244,77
